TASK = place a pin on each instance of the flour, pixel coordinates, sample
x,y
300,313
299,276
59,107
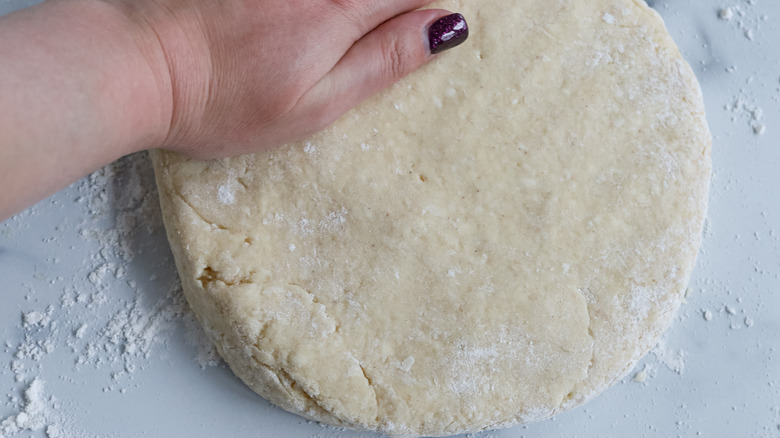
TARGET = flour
x,y
660,355
79,333
37,318
36,413
207,354
745,19
744,109
226,195
673,360
108,317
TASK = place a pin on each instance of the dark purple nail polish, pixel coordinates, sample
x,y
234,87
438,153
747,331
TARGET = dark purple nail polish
x,y
447,32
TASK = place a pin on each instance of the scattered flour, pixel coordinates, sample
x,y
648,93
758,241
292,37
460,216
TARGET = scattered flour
x,y
745,19
207,354
673,360
726,13
36,413
743,109
107,318
660,355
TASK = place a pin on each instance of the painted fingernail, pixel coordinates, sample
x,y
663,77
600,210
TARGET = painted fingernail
x,y
447,32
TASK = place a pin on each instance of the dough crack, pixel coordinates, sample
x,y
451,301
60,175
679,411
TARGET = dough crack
x,y
373,388
592,341
199,214
572,398
209,275
294,390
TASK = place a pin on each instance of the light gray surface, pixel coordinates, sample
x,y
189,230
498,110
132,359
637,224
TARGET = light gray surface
x,y
102,238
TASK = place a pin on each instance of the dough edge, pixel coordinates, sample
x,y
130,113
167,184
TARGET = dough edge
x,y
225,325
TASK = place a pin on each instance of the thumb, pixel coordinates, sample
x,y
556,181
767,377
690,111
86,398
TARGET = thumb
x,y
391,51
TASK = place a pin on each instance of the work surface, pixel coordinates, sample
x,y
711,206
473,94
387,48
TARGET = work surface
x,y
96,333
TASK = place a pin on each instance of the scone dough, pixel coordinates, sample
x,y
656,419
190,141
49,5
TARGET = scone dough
x,y
495,239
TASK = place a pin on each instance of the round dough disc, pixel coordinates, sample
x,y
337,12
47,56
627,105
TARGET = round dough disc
x,y
495,239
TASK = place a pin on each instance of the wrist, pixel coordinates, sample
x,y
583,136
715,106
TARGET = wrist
x,y
175,47
140,76
105,69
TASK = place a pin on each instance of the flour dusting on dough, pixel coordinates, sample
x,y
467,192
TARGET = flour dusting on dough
x,y
459,254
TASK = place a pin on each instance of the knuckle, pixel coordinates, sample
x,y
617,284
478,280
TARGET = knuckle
x,y
396,58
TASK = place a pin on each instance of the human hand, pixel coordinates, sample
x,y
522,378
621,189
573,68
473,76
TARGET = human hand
x,y
244,75
88,81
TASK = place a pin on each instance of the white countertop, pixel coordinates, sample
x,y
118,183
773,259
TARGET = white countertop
x,y
92,316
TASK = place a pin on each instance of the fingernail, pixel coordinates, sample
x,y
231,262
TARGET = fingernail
x,y
447,32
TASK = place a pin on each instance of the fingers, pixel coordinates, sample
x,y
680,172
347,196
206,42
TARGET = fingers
x,y
382,57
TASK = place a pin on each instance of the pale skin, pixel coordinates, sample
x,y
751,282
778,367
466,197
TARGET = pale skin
x,y
84,82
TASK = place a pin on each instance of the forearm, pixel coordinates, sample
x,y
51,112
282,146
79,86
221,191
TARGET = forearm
x,y
78,89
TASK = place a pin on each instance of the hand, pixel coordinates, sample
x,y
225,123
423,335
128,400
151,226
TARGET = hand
x,y
250,74
87,81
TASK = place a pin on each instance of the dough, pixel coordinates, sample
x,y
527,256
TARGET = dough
x,y
494,240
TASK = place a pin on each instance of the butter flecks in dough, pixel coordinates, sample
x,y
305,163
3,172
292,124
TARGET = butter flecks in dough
x,y
497,238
